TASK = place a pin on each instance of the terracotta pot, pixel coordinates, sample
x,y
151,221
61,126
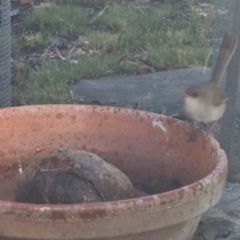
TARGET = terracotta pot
x,y
147,147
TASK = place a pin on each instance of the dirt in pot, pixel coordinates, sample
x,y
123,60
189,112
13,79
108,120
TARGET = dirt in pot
x,y
150,189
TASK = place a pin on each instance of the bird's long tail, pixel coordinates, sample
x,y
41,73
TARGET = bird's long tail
x,y
226,51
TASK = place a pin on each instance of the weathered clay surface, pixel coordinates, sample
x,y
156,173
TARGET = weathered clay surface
x,y
147,147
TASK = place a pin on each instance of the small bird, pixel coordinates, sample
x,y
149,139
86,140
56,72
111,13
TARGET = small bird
x,y
206,102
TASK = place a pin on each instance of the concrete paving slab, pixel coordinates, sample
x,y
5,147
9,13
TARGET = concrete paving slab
x,y
223,221
157,92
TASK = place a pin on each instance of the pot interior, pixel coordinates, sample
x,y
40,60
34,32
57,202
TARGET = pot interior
x,y
151,149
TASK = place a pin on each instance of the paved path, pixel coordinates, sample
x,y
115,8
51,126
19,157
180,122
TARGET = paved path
x,y
223,221
158,92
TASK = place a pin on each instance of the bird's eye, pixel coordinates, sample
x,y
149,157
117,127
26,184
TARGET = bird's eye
x,y
194,94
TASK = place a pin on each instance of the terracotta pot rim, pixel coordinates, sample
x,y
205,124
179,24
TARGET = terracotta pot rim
x,y
142,204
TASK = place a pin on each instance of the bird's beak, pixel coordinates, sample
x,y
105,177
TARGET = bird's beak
x,y
185,95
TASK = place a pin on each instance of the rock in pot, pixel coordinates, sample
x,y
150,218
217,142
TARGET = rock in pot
x,y
73,176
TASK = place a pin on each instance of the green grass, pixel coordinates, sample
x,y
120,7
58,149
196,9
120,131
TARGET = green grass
x,y
36,40
49,83
166,36
59,19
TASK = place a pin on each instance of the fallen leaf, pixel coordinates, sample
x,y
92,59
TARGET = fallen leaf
x,y
74,61
204,5
45,5
26,2
14,12
59,54
121,60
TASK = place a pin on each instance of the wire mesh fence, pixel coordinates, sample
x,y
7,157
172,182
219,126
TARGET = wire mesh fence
x,y
228,19
5,53
155,92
